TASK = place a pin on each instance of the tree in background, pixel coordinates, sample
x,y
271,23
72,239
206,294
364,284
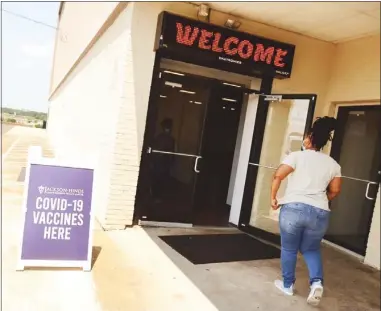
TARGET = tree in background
x,y
26,113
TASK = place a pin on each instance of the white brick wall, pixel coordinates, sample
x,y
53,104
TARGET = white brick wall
x,y
92,118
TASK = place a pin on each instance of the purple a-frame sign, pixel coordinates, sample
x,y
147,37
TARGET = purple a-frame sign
x,y
57,230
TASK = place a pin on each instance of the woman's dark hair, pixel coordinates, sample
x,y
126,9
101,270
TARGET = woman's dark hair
x,y
321,131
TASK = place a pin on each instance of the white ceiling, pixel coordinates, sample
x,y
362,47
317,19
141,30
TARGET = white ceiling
x,y
329,21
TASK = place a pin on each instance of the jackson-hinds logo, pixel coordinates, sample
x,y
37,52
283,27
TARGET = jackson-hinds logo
x,y
65,191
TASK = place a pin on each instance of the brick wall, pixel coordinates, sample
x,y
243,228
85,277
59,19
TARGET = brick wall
x,y
92,119
125,163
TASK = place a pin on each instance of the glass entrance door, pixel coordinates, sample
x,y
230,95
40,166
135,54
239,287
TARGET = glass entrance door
x,y
285,120
189,145
172,163
356,146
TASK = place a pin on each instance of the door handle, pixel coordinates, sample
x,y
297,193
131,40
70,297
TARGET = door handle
x,y
196,165
367,191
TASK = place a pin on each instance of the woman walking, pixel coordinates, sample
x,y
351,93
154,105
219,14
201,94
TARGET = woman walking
x,y
314,179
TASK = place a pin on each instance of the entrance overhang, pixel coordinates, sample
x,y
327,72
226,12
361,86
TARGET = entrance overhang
x,y
329,21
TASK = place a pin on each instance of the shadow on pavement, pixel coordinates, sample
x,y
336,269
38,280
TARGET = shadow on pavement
x,y
96,251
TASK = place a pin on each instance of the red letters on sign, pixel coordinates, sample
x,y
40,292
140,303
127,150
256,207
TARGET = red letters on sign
x,y
203,43
227,45
184,37
245,49
262,54
279,58
216,41
208,40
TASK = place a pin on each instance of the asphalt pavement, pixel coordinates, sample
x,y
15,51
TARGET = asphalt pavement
x,y
5,128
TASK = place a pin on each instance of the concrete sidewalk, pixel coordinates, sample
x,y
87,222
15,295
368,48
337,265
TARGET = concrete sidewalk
x,y
32,290
135,270
130,271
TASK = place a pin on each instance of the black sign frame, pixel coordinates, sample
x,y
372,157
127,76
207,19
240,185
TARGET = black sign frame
x,y
208,45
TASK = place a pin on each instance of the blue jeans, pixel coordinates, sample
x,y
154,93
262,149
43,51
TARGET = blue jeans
x,y
302,227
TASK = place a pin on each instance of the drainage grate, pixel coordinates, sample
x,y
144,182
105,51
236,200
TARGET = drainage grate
x,y
21,177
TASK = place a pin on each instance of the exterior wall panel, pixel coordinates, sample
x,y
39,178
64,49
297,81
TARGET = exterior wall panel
x,y
356,77
372,256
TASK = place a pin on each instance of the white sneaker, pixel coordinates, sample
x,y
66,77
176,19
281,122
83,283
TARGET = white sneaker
x,y
288,291
316,293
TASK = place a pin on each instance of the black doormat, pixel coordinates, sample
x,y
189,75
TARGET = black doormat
x,y
216,248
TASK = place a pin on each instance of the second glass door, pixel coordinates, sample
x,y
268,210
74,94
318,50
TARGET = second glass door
x,y
284,128
356,146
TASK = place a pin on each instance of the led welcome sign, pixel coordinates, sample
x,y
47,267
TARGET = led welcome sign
x,y
230,46
213,46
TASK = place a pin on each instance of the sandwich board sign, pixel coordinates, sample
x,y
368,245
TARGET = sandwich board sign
x,y
57,216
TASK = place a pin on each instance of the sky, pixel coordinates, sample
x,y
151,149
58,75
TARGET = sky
x,y
27,54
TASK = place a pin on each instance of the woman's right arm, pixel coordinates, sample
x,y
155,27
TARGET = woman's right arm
x,y
334,188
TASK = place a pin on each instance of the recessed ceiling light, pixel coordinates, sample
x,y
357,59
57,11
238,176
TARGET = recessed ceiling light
x,y
174,73
188,92
357,113
198,103
173,84
229,100
162,96
231,84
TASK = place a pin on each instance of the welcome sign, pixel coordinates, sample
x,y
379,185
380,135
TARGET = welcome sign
x,y
57,223
222,48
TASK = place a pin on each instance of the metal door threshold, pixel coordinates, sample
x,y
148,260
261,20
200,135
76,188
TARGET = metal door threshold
x,y
161,224
147,223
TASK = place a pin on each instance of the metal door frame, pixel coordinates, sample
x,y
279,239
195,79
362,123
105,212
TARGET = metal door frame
x,y
337,149
143,179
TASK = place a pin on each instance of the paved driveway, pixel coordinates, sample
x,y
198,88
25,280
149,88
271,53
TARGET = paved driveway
x,y
5,128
